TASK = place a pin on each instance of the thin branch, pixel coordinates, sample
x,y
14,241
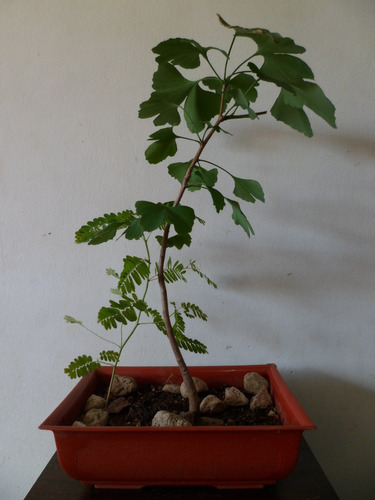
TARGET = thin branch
x,y
238,117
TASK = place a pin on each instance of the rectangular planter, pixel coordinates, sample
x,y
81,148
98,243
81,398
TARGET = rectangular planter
x,y
133,457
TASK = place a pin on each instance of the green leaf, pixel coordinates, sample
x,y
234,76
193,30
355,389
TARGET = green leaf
x,y
206,177
200,107
248,190
152,215
118,312
193,311
135,230
293,116
268,42
215,84
174,272
103,228
81,366
112,272
194,268
135,271
217,199
109,356
157,319
312,96
164,145
199,176
286,68
239,217
170,90
266,78
165,112
242,89
178,170
170,85
180,51
70,319
177,241
181,217
181,339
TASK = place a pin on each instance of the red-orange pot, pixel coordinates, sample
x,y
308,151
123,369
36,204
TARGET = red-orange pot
x,y
225,457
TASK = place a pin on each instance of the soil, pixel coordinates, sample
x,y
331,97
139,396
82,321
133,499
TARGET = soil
x,y
143,404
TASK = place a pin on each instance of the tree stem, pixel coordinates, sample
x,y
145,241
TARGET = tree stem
x,y
192,393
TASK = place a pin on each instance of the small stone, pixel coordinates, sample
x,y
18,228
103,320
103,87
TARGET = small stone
x,y
96,417
272,414
78,423
261,401
117,405
234,397
123,385
253,382
206,421
200,385
211,404
94,401
166,419
172,388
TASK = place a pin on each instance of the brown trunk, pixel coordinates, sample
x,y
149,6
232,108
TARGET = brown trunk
x,y
191,390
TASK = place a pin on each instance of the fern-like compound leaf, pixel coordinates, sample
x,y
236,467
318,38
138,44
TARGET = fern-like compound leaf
x,y
134,272
173,271
109,356
194,268
118,312
182,340
81,366
104,228
193,311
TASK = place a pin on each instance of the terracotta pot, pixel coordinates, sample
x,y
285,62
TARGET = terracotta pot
x,y
133,457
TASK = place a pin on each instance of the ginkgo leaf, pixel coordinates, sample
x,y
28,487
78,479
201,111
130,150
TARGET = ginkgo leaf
x,y
239,217
177,241
217,198
178,170
313,97
164,145
242,88
286,68
166,112
248,190
181,217
180,51
293,116
268,42
153,215
200,107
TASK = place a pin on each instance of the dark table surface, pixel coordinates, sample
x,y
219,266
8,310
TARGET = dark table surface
x,y
307,482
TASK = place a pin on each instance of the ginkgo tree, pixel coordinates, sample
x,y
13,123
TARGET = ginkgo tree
x,y
201,107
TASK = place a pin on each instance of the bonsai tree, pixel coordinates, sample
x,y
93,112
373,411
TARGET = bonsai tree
x,y
201,108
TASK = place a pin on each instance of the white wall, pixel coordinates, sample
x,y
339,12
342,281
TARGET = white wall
x,y
300,293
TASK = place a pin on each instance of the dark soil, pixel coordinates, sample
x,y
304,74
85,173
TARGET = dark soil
x,y
143,404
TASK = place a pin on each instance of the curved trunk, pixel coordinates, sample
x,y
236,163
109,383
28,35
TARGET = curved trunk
x,y
191,390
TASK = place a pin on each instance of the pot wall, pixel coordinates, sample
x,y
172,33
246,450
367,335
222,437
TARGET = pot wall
x,y
218,456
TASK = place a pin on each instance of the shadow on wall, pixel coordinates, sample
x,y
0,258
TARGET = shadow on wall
x,y
255,139
343,443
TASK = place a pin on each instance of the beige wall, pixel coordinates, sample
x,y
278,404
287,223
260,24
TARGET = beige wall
x,y
301,293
